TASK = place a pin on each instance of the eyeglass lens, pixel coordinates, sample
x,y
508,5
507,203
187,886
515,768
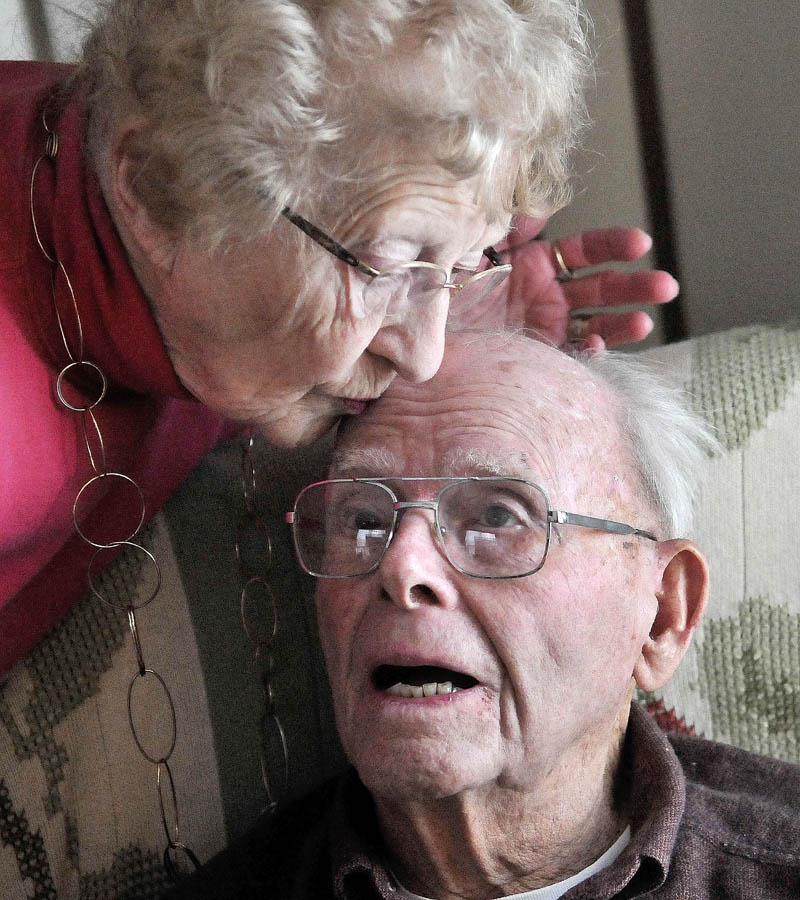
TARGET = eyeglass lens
x,y
405,286
487,528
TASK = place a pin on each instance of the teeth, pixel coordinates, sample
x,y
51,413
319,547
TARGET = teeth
x,y
426,690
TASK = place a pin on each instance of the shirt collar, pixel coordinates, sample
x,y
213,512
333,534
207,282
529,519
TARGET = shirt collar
x,y
657,798
357,854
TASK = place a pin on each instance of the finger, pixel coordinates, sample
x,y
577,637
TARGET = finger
x,y
626,328
523,229
621,288
592,342
593,248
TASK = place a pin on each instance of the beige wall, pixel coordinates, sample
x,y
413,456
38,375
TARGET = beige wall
x,y
15,37
37,29
609,188
730,73
728,84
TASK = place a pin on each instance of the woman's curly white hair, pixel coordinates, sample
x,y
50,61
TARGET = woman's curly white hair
x,y
237,109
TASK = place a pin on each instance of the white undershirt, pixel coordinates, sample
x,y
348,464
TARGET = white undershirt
x,y
554,891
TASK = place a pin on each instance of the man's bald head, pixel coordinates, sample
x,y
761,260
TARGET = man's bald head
x,y
606,421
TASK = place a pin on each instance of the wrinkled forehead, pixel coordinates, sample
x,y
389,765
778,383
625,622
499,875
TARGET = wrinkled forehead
x,y
499,405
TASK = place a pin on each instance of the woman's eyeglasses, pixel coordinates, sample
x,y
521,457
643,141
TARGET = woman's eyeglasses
x,y
407,283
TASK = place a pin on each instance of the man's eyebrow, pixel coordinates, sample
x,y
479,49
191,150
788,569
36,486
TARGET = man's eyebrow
x,y
480,461
363,462
366,461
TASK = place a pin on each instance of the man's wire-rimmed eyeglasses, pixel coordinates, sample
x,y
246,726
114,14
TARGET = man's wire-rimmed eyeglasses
x,y
486,526
416,281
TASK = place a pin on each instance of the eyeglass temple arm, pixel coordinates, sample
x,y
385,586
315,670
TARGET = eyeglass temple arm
x,y
560,517
328,242
342,253
493,256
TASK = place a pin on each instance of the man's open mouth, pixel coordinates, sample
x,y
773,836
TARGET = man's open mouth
x,y
420,681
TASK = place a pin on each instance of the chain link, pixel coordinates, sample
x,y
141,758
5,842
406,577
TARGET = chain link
x,y
174,850
257,607
259,615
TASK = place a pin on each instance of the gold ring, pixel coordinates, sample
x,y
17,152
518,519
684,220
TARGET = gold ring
x,y
578,328
564,271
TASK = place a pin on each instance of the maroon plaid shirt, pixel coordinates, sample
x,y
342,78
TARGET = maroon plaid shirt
x,y
708,821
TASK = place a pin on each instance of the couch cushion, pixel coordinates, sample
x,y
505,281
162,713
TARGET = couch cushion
x,y
740,680
79,808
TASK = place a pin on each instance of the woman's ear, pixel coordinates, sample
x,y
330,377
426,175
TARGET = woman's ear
x,y
144,240
681,601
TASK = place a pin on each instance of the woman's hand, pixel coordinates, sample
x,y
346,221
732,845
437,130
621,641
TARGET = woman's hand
x,y
537,299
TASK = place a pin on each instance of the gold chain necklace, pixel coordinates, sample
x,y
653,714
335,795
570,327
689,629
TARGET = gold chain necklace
x,y
255,596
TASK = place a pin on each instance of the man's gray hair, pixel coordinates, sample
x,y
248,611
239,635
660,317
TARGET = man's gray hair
x,y
246,107
670,440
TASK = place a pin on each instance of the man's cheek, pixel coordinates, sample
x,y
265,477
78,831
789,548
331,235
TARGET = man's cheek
x,y
329,635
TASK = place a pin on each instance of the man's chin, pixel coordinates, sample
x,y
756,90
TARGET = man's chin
x,y
419,772
409,785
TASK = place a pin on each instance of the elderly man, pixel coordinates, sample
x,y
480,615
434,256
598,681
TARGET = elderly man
x,y
500,562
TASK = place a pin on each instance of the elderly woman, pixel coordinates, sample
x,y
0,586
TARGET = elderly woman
x,y
261,213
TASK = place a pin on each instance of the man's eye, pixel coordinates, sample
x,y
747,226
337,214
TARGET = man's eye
x,y
497,516
354,519
367,521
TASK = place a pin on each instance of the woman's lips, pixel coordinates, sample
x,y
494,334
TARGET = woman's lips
x,y
354,407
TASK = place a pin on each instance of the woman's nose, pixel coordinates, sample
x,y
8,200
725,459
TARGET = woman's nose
x,y
414,344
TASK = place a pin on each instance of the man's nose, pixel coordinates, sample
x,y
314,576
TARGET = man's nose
x,y
414,343
414,571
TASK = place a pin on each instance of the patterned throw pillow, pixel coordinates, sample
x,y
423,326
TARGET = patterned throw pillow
x,y
80,816
740,681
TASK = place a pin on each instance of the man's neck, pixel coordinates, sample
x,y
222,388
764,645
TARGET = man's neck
x,y
495,842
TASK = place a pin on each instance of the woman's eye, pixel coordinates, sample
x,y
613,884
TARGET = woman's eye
x,y
377,262
392,288
387,257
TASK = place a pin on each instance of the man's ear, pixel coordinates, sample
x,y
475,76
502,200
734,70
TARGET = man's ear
x,y
145,240
681,600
